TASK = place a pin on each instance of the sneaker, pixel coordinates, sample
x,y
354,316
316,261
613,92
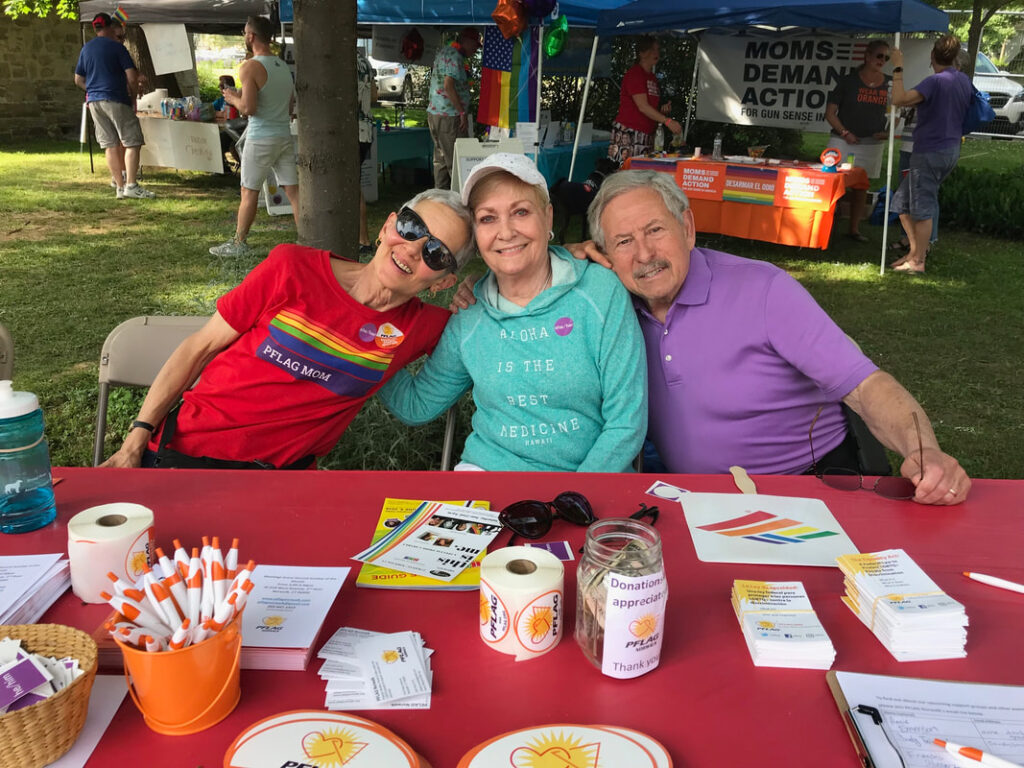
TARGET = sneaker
x,y
119,192
135,190
232,248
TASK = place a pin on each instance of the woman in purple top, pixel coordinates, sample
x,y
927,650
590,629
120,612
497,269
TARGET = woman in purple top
x,y
942,100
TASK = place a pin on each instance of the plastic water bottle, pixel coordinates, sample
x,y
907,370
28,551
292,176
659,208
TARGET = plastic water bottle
x,y
26,488
716,152
659,139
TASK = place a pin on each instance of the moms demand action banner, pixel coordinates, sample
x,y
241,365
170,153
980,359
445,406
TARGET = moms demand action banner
x,y
782,187
783,81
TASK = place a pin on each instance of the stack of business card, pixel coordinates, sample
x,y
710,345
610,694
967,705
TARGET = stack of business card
x,y
376,670
780,626
914,619
29,584
28,678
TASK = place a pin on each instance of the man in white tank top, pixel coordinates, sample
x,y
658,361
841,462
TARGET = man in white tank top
x,y
267,97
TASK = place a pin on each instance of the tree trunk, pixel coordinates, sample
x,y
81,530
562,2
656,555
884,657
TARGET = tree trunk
x,y
325,57
974,37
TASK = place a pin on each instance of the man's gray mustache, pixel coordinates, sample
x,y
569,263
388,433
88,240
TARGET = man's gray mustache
x,y
648,269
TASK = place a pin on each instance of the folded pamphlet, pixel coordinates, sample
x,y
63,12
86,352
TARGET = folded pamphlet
x,y
780,626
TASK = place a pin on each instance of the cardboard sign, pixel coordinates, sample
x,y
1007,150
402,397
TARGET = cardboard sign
x,y
169,48
181,144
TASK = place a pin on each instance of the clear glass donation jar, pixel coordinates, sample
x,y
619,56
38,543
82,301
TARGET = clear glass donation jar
x,y
621,593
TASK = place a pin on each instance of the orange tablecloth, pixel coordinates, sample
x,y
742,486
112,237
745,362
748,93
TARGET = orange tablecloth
x,y
790,205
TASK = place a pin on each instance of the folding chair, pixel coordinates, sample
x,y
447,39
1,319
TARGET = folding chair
x,y
6,354
132,356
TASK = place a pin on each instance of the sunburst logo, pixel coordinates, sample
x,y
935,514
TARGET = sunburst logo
x,y
137,563
559,750
389,657
643,627
273,621
485,609
333,747
765,625
537,623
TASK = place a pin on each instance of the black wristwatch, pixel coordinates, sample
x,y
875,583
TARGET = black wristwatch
x,y
144,424
897,70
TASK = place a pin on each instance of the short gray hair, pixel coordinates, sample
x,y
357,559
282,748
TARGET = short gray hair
x,y
453,201
626,181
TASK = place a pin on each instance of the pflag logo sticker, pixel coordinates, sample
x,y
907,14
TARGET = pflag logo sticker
x,y
273,621
388,336
556,751
643,627
768,528
335,747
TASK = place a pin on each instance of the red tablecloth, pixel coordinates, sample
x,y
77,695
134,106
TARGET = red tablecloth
x,y
786,204
706,702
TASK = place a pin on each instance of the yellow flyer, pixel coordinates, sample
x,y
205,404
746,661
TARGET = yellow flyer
x,y
391,516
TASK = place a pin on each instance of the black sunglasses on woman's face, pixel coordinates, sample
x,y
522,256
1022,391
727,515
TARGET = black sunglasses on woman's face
x,y
436,255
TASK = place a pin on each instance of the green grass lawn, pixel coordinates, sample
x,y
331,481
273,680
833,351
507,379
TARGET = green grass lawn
x,y
74,262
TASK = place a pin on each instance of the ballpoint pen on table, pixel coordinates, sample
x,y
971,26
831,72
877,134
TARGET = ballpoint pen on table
x,y
983,758
992,581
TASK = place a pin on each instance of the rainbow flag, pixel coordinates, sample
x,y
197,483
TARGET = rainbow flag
x,y
120,15
508,78
767,527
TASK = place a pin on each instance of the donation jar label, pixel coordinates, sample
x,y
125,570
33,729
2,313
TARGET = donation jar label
x,y
634,623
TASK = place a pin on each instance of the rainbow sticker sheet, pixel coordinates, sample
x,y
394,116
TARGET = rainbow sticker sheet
x,y
775,530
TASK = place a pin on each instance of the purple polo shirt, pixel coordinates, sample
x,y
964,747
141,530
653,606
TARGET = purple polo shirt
x,y
940,117
740,367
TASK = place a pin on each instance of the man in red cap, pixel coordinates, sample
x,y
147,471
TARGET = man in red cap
x,y
449,102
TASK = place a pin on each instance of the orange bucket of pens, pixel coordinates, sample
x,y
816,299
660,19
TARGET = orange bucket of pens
x,y
189,689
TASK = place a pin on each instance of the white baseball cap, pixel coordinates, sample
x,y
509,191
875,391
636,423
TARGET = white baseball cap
x,y
519,166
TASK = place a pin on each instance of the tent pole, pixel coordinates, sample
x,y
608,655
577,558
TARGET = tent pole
x,y
540,85
888,176
693,88
583,107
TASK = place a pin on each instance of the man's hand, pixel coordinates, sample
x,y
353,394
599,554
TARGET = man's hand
x,y
944,481
463,121
849,138
896,57
129,455
463,298
588,250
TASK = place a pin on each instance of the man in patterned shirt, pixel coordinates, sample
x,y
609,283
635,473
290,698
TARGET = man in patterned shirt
x,y
449,102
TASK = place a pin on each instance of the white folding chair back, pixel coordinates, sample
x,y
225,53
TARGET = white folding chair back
x,y
6,354
133,354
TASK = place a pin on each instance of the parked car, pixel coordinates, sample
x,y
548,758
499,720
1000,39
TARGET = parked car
x,y
1005,94
394,83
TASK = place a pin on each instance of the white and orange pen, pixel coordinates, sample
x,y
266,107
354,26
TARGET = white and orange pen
x,y
982,758
180,558
166,566
231,560
182,636
136,613
993,581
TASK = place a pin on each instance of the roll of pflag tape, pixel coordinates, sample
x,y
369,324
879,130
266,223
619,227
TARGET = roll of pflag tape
x,y
522,603
114,538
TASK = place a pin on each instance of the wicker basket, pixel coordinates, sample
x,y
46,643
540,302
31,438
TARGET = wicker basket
x,y
39,734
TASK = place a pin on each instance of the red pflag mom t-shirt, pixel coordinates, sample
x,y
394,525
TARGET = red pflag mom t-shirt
x,y
308,357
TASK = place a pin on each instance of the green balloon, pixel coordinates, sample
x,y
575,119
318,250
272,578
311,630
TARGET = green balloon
x,y
554,40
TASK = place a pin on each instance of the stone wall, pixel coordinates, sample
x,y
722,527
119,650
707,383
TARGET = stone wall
x,y
38,96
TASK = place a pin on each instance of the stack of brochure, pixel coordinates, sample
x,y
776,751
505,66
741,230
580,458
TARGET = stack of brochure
x,y
436,541
29,584
780,626
376,670
914,619
392,515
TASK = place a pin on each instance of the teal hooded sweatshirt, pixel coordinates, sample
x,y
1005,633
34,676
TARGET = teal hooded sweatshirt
x,y
559,385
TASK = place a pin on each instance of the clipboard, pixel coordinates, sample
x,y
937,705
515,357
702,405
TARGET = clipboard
x,y
851,727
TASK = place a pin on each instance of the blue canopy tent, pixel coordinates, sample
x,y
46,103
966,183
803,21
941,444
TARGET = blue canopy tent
x,y
581,13
646,16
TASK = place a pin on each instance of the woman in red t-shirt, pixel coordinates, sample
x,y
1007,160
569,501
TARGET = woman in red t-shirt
x,y
639,113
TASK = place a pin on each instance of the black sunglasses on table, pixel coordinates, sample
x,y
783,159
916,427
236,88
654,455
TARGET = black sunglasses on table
x,y
436,255
532,519
843,479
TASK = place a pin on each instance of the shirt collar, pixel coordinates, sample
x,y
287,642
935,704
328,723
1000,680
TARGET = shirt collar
x,y
696,286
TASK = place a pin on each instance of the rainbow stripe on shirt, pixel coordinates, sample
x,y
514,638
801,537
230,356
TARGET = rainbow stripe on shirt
x,y
310,351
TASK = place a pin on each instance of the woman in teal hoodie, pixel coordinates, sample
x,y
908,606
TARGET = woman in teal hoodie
x,y
551,347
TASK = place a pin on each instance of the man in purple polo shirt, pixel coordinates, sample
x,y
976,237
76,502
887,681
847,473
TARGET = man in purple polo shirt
x,y
740,357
